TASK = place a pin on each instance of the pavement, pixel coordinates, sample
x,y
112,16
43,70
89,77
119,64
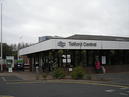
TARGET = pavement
x,y
26,76
113,78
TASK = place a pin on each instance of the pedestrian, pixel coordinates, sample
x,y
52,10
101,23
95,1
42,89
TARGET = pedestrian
x,y
98,67
103,69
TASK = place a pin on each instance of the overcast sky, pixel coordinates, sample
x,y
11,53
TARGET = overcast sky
x,y
26,20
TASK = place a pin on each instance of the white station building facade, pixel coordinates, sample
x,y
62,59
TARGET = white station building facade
x,y
113,52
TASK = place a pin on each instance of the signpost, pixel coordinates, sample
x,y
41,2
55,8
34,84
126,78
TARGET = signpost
x,y
103,59
10,63
1,64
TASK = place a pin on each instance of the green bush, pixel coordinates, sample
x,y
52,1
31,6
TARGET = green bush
x,y
59,73
78,73
44,75
88,77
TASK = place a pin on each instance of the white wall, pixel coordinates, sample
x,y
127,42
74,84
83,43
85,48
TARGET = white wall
x,y
74,44
115,45
46,45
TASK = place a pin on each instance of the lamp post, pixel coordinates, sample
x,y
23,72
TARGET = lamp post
x,y
20,39
1,57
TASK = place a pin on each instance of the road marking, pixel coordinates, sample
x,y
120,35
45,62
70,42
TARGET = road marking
x,y
124,94
100,84
3,78
5,96
124,88
69,82
110,91
24,82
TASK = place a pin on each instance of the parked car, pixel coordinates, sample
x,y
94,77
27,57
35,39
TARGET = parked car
x,y
20,67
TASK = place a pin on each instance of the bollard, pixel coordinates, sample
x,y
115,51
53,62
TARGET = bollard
x,y
37,73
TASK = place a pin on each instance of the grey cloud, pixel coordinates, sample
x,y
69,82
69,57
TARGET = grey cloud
x,y
33,18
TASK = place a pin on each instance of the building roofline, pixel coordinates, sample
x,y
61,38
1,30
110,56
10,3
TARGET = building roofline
x,y
90,37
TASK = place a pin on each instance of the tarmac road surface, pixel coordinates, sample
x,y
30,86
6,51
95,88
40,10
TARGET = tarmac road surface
x,y
59,89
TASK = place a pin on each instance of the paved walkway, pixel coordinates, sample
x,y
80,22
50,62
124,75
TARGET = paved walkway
x,y
115,78
119,78
21,75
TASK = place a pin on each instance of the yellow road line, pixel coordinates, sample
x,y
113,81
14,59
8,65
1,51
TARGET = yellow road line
x,y
72,82
27,82
95,83
101,84
5,96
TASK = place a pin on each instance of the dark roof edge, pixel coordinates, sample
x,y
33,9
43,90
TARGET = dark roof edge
x,y
98,36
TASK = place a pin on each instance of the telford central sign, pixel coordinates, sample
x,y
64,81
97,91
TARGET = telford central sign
x,y
82,44
76,44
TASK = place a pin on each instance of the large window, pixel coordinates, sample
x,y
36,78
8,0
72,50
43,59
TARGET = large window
x,y
90,58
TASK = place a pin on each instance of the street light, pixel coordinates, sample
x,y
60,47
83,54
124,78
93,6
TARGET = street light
x,y
1,57
20,37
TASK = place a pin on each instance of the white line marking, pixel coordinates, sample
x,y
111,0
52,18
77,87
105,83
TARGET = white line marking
x,y
124,88
124,94
3,78
110,91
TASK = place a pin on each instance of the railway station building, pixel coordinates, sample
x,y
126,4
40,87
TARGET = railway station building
x,y
54,52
